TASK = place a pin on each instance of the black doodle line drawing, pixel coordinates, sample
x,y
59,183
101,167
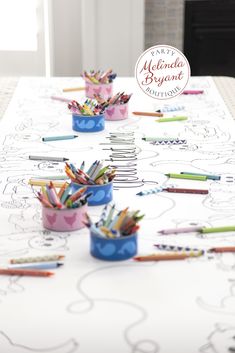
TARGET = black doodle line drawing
x,y
7,345
83,306
220,339
10,286
226,305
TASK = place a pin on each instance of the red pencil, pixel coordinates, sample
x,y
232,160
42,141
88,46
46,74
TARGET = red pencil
x,y
187,191
193,91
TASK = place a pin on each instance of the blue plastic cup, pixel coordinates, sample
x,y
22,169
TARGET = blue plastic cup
x,y
84,123
101,194
113,249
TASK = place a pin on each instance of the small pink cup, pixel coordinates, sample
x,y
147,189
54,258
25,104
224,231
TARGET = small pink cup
x,y
64,220
105,90
116,112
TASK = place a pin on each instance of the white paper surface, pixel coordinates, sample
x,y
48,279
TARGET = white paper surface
x,y
121,307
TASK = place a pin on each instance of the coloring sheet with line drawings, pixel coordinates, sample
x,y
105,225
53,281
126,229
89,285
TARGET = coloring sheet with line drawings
x,y
90,305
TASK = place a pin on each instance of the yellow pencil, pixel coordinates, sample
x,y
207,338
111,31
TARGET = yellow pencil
x,y
120,219
41,182
73,89
107,232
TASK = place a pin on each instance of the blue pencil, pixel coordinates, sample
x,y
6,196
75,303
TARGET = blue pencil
x,y
209,176
58,138
149,191
37,265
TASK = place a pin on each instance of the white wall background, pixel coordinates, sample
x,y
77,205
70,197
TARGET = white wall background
x,y
20,61
112,34
82,34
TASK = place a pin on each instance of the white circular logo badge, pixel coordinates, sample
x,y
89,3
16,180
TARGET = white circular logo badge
x,y
162,72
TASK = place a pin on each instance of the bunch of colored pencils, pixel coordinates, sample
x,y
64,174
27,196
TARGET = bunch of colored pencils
x,y
99,76
113,224
97,173
89,108
119,98
33,266
64,198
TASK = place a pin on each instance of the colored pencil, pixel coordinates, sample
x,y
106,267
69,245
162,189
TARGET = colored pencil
x,y
148,114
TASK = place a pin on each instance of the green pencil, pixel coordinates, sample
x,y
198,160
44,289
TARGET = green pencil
x,y
187,176
175,118
217,229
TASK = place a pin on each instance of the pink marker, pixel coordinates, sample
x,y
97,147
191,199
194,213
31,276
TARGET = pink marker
x,y
192,91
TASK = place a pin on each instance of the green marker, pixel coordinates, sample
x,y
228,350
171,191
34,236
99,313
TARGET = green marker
x,y
187,176
217,229
175,118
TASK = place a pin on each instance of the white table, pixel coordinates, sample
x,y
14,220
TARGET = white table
x,y
120,307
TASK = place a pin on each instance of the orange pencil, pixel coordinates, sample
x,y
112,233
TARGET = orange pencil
x,y
147,114
21,272
62,189
77,194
